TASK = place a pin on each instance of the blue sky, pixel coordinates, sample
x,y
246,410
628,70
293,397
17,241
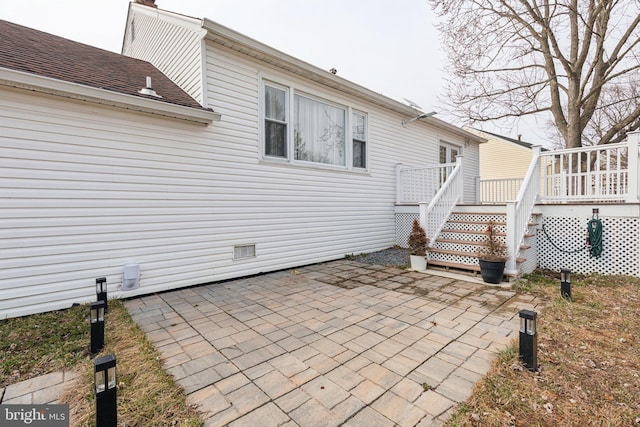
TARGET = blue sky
x,y
388,46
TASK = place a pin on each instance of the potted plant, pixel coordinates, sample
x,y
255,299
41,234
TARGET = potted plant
x,y
418,246
492,256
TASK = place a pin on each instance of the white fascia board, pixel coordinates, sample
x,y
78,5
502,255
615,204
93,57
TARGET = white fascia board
x,y
455,129
51,86
239,42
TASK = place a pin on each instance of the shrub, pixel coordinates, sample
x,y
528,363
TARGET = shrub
x,y
418,239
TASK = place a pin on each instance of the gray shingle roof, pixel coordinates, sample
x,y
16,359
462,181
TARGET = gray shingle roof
x,y
32,51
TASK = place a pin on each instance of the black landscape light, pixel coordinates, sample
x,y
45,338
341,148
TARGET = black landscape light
x,y
97,326
101,291
565,284
104,369
528,339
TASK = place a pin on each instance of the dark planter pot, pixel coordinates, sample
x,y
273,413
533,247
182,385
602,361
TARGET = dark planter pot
x,y
491,271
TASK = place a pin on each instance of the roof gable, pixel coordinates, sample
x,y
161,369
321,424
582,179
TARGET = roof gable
x,y
514,141
256,50
36,52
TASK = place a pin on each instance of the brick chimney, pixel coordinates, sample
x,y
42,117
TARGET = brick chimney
x,y
150,3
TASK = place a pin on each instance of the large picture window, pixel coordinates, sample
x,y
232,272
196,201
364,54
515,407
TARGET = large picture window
x,y
319,132
300,128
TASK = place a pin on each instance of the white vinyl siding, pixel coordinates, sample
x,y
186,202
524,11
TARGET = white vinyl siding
x,y
174,49
471,171
87,189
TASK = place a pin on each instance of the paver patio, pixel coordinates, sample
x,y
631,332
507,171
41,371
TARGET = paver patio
x,y
340,343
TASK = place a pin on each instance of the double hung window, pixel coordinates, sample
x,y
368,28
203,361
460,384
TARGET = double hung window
x,y
275,121
359,136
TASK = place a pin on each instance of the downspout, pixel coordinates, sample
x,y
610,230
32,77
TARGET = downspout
x,y
632,167
203,69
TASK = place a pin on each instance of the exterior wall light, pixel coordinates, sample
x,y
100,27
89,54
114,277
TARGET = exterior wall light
x,y
104,369
131,277
528,339
565,284
101,291
97,326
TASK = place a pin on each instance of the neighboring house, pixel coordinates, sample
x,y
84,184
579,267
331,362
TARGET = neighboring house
x,y
504,162
503,157
248,161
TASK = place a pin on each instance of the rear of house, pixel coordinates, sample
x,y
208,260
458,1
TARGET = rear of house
x,y
278,164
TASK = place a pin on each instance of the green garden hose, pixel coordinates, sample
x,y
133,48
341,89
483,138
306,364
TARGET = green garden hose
x,y
594,229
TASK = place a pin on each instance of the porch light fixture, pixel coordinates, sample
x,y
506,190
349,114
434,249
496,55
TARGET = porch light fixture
x,y
528,339
421,116
565,284
101,291
104,369
97,326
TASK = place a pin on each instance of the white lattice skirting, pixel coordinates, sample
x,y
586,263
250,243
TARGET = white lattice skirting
x,y
620,242
567,227
404,223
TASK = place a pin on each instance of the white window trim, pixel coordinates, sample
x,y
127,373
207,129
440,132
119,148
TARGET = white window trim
x,y
262,113
450,145
353,111
291,91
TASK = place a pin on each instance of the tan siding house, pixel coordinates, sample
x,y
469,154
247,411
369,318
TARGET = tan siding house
x,y
502,157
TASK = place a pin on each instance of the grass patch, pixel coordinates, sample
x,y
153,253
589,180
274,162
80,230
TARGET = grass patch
x,y
147,395
589,357
42,343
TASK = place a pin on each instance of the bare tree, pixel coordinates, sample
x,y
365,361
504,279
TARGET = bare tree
x,y
577,60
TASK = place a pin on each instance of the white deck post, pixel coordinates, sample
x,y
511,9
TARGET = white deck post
x,y
633,141
398,183
459,162
510,266
423,214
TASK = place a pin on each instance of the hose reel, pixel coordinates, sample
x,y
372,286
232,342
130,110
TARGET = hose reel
x,y
593,240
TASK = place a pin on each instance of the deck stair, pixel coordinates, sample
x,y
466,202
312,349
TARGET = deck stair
x,y
457,245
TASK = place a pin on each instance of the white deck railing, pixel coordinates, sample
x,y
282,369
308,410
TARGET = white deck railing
x,y
498,190
602,173
420,184
519,211
434,214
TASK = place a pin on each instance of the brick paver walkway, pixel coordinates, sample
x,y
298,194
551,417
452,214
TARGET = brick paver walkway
x,y
341,343
39,390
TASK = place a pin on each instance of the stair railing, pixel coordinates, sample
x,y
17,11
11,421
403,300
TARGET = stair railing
x,y
417,184
519,211
434,215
